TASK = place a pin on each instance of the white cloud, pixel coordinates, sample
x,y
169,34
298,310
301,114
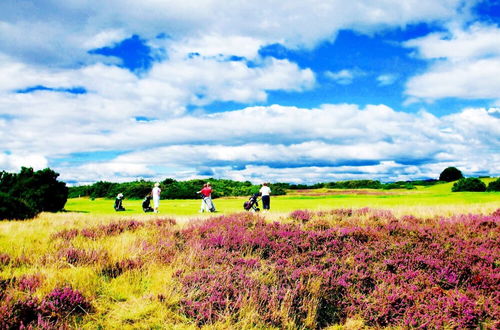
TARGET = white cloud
x,y
105,38
387,79
475,79
467,64
47,45
218,45
343,77
478,41
285,144
13,162
60,32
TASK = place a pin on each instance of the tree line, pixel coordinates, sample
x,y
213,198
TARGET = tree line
x,y
25,194
171,189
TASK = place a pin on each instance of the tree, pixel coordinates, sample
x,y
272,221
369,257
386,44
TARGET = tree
x,y
469,184
40,190
14,208
494,185
450,174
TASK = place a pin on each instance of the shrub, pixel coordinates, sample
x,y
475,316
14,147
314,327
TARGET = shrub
x,y
469,184
52,312
301,215
450,174
14,208
61,302
396,273
494,185
40,190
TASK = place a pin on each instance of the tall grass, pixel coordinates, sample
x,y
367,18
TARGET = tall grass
x,y
310,268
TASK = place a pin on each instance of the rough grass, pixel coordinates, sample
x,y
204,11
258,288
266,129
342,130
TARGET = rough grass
x,y
143,271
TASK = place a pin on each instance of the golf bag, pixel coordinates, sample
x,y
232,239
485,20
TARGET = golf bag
x,y
252,203
118,205
146,207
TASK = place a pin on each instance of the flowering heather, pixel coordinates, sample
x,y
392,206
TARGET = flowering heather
x,y
161,222
66,234
121,266
30,283
301,215
112,229
48,313
440,272
4,259
76,256
312,270
61,302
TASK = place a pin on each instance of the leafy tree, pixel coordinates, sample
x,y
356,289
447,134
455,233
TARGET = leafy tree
x,y
469,184
40,190
450,174
494,185
14,208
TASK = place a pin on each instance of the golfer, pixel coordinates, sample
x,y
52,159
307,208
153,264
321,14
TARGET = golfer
x,y
206,202
156,197
265,193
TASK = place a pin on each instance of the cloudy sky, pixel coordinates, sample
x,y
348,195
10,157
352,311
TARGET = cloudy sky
x,y
296,91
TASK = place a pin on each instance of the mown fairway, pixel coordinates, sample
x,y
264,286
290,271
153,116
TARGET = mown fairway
x,y
366,258
423,200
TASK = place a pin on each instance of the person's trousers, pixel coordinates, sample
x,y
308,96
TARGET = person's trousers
x,y
266,202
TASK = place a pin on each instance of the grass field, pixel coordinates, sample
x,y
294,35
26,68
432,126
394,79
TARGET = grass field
x,y
347,259
431,200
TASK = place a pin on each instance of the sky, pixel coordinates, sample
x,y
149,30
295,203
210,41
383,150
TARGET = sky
x,y
298,91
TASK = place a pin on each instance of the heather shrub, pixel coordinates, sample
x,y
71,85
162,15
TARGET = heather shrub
x,y
389,271
19,313
4,259
49,313
30,283
61,302
79,257
240,270
301,215
469,184
119,267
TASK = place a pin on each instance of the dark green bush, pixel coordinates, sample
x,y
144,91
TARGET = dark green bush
x,y
14,208
450,174
40,190
494,185
469,184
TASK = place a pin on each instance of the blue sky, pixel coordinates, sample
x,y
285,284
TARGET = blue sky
x,y
297,91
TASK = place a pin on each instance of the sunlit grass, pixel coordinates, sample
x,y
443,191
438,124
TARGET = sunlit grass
x,y
423,200
148,294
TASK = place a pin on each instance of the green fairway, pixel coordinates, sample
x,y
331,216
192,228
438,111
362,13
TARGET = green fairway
x,y
420,199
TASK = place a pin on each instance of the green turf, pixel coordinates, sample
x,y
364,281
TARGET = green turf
x,y
433,196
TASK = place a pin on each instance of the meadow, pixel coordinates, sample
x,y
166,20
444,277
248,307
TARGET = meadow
x,y
320,259
430,200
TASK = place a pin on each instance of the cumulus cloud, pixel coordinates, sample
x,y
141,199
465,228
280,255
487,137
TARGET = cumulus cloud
x,y
386,79
301,145
142,124
345,76
13,162
60,32
467,64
